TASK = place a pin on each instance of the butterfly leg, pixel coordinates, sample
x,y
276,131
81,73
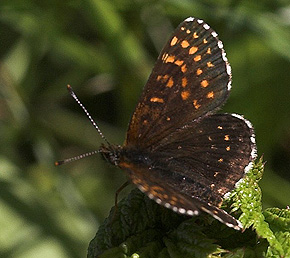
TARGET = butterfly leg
x,y
116,199
121,188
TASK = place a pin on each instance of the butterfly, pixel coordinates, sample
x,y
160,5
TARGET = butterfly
x,y
178,151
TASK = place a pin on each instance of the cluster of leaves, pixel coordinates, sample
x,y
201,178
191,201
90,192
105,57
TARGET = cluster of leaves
x,y
141,228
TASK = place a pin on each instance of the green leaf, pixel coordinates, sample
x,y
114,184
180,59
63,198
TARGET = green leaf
x,y
247,197
137,222
279,221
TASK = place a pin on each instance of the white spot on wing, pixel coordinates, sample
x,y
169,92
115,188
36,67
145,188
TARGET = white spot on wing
x,y
248,167
189,19
224,56
151,196
229,69
214,34
141,188
206,26
192,213
237,227
181,210
254,153
253,140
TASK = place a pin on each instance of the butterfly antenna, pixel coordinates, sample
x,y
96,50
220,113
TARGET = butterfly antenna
x,y
71,92
65,161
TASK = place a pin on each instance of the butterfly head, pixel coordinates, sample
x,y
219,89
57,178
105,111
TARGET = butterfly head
x,y
111,153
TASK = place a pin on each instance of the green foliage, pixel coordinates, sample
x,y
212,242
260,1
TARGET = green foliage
x,y
142,228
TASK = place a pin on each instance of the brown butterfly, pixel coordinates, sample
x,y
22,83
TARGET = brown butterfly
x,y
177,151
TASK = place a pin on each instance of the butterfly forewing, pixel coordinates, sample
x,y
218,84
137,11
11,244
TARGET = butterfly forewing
x,y
191,78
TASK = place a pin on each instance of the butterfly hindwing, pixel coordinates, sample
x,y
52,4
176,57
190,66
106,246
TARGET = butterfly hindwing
x,y
211,155
156,188
204,159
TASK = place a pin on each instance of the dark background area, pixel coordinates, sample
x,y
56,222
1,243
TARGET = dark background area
x,y
106,50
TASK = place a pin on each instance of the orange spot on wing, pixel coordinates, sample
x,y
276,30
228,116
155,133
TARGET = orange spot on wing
x,y
204,83
188,31
159,100
165,77
135,180
170,59
228,148
192,50
183,68
184,44
227,137
173,203
179,62
164,56
208,51
173,41
185,95
198,71
197,106
125,165
197,58
204,41
210,95
170,83
209,64
195,36
184,82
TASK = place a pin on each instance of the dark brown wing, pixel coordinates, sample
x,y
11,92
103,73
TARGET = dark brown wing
x,y
193,168
191,78
152,183
211,156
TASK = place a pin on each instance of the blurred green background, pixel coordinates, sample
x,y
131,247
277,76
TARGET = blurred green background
x,y
106,50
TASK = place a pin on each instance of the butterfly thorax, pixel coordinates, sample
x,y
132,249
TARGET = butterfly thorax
x,y
118,155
